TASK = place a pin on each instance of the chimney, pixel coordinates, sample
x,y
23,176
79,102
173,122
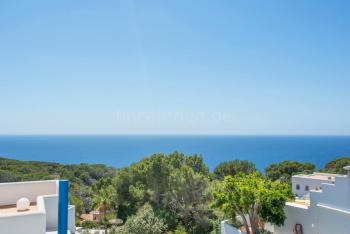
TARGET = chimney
x,y
347,169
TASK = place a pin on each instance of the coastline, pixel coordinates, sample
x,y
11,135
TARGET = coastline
x,y
122,150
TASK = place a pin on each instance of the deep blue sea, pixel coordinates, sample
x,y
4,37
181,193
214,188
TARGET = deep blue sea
x,y
121,151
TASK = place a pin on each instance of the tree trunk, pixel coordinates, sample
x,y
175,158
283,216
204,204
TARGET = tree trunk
x,y
245,223
187,229
105,220
254,219
253,225
158,198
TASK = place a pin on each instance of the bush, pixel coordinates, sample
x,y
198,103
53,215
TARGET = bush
x,y
144,222
233,168
336,165
89,225
203,225
283,171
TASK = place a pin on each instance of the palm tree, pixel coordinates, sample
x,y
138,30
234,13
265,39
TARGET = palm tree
x,y
105,201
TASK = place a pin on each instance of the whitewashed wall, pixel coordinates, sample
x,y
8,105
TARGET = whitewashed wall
x,y
50,205
229,229
24,223
303,182
328,213
44,193
11,192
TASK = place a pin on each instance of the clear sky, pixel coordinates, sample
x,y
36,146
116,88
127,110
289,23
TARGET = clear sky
x,y
175,67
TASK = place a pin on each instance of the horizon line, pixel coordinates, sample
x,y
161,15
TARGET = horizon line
x,y
175,134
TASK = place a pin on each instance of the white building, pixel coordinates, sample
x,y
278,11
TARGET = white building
x,y
226,228
302,184
326,212
42,215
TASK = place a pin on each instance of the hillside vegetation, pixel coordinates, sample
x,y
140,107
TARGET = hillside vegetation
x,y
174,191
82,177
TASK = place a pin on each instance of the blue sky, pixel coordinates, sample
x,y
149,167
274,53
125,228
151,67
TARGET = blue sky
x,y
175,67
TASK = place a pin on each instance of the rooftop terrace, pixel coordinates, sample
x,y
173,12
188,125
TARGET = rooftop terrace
x,y
41,217
12,209
318,176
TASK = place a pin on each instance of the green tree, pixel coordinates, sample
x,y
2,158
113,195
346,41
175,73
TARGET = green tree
x,y
144,222
79,205
336,165
105,201
234,167
188,197
283,171
8,176
176,160
153,172
148,181
122,182
196,163
254,197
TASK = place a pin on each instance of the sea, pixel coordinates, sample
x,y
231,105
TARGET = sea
x,y
119,151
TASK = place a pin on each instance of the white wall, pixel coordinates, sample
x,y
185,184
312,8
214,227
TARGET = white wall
x,y
303,182
24,223
50,205
44,193
229,229
71,219
300,215
11,192
333,221
328,213
336,195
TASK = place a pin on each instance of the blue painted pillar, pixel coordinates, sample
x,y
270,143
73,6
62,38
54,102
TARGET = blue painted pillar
x,y
62,206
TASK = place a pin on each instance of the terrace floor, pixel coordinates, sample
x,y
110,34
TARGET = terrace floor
x,y
10,209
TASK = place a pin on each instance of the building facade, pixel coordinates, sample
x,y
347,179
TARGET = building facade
x,y
41,217
326,211
302,184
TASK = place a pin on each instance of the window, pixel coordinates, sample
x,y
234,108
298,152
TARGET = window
x,y
307,188
298,187
298,228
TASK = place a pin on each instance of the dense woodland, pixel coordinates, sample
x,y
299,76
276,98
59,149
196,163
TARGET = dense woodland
x,y
174,193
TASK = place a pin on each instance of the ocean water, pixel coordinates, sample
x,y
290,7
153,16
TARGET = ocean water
x,y
119,151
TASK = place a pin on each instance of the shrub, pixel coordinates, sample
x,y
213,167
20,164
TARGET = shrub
x,y
89,225
144,222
